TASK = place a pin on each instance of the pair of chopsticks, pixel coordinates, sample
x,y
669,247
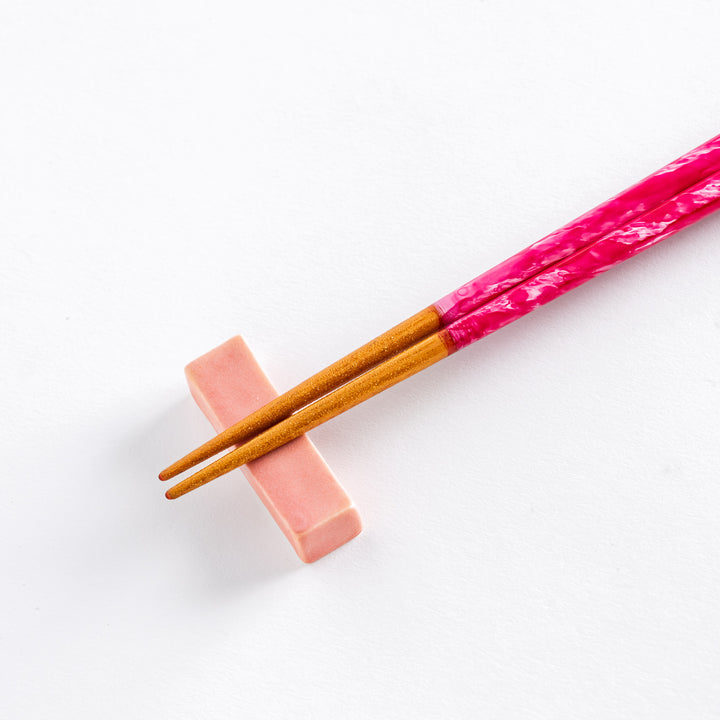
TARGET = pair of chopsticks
x,y
663,203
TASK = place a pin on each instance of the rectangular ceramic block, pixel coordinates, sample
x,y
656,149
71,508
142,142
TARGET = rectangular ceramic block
x,y
294,482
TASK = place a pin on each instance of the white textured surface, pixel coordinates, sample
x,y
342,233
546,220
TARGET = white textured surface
x,y
541,510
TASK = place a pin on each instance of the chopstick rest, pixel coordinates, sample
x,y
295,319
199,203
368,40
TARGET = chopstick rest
x,y
294,482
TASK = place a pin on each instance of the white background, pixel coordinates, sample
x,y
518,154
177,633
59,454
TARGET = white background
x,y
542,534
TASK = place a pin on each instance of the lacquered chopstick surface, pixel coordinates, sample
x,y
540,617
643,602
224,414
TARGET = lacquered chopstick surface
x,y
677,213
649,193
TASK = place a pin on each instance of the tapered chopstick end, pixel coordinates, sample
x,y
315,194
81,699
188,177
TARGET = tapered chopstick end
x,y
173,493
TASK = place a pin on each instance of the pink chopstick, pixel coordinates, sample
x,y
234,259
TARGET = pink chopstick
x,y
623,243
654,190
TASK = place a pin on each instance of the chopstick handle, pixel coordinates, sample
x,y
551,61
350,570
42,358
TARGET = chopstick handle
x,y
615,213
644,232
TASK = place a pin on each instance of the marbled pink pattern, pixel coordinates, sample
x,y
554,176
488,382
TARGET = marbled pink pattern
x,y
643,232
616,212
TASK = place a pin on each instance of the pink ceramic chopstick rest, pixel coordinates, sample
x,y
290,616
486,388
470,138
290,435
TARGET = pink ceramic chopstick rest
x,y
646,195
294,482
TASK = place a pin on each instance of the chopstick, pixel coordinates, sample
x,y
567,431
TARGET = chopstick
x,y
623,243
648,193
